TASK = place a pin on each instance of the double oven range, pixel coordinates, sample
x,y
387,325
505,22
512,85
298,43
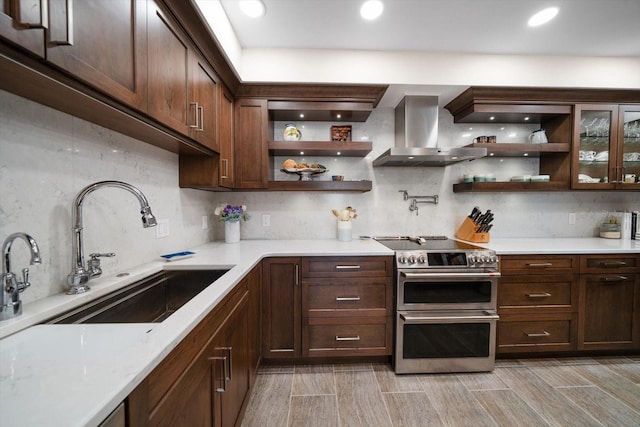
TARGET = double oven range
x,y
445,297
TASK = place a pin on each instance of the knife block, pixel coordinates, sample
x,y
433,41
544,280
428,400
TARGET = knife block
x,y
467,231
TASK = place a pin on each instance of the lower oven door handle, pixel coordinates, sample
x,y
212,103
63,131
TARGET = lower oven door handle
x,y
490,315
436,275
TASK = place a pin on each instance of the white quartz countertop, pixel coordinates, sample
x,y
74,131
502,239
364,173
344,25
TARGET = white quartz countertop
x,y
578,245
75,375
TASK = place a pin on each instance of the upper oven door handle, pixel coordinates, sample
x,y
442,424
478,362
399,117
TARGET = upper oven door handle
x,y
487,315
447,275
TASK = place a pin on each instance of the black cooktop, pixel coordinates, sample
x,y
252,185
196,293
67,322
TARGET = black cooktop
x,y
424,243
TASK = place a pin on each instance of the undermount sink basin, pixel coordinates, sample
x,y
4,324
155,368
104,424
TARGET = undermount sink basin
x,y
150,300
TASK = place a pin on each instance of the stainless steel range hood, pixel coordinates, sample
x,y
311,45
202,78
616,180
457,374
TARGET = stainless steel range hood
x,y
416,137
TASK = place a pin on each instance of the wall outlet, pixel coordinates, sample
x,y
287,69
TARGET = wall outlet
x,y
266,220
162,229
572,218
205,222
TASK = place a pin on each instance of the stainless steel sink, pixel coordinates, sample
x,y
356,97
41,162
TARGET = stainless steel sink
x,y
150,300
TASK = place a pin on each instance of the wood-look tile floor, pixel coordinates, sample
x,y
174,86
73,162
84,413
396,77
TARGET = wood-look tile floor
x,y
522,392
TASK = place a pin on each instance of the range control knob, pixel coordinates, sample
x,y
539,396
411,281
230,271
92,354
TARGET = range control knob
x,y
422,259
412,259
472,259
402,259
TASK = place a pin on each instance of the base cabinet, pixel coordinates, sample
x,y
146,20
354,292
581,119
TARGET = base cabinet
x,y
568,303
327,307
609,303
281,308
205,380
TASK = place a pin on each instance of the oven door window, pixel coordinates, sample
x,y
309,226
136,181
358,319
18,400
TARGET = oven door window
x,y
447,292
446,340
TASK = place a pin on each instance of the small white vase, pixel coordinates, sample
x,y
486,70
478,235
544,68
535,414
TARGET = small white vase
x,y
232,232
344,231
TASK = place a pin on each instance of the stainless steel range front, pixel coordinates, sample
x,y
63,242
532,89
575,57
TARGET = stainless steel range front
x,y
446,315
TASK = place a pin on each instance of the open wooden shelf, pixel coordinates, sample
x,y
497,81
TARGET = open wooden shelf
x,y
519,150
494,187
355,186
320,148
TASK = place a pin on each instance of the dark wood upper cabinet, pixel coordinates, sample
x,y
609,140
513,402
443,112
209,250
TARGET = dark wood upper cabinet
x,y
103,44
203,103
23,22
168,70
251,154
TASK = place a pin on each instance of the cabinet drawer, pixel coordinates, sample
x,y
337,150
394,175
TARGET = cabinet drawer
x,y
354,297
538,291
609,264
543,334
538,264
362,336
365,266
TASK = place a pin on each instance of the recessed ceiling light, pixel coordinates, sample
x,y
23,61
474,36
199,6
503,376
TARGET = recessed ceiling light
x,y
371,9
543,16
301,116
338,116
252,8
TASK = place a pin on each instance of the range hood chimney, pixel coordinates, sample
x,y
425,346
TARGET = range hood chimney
x,y
416,137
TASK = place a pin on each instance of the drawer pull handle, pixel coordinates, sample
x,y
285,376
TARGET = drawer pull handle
x,y
538,334
544,295
223,378
539,264
356,338
614,279
297,273
613,264
347,298
347,267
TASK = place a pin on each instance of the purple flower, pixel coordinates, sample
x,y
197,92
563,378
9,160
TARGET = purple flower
x,y
230,213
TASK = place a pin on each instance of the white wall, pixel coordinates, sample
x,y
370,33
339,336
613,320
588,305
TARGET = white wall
x,y
47,157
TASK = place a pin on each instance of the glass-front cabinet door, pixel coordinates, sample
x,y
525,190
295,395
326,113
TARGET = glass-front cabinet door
x,y
595,143
629,129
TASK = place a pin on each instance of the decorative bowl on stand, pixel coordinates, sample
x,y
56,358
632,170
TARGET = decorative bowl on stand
x,y
305,174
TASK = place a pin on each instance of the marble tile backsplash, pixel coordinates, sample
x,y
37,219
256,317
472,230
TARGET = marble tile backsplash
x,y
47,156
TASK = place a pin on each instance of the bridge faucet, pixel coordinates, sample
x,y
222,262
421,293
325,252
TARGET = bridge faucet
x,y
10,304
79,276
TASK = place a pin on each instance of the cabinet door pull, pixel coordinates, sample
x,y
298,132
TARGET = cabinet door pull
x,y
347,298
200,116
224,379
543,295
225,164
614,279
227,366
539,264
69,33
537,334
347,267
356,338
196,125
613,264
24,20
297,274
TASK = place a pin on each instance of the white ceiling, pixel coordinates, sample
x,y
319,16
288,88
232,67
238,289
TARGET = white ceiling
x,y
582,27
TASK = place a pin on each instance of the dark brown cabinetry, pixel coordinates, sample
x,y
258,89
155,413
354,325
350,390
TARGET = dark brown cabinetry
x,y
203,103
251,156
168,85
327,307
281,308
537,303
103,44
565,114
568,303
609,303
606,147
347,306
205,380
226,164
24,23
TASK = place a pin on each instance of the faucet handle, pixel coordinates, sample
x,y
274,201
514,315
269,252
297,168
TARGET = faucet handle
x,y
25,280
94,263
97,255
